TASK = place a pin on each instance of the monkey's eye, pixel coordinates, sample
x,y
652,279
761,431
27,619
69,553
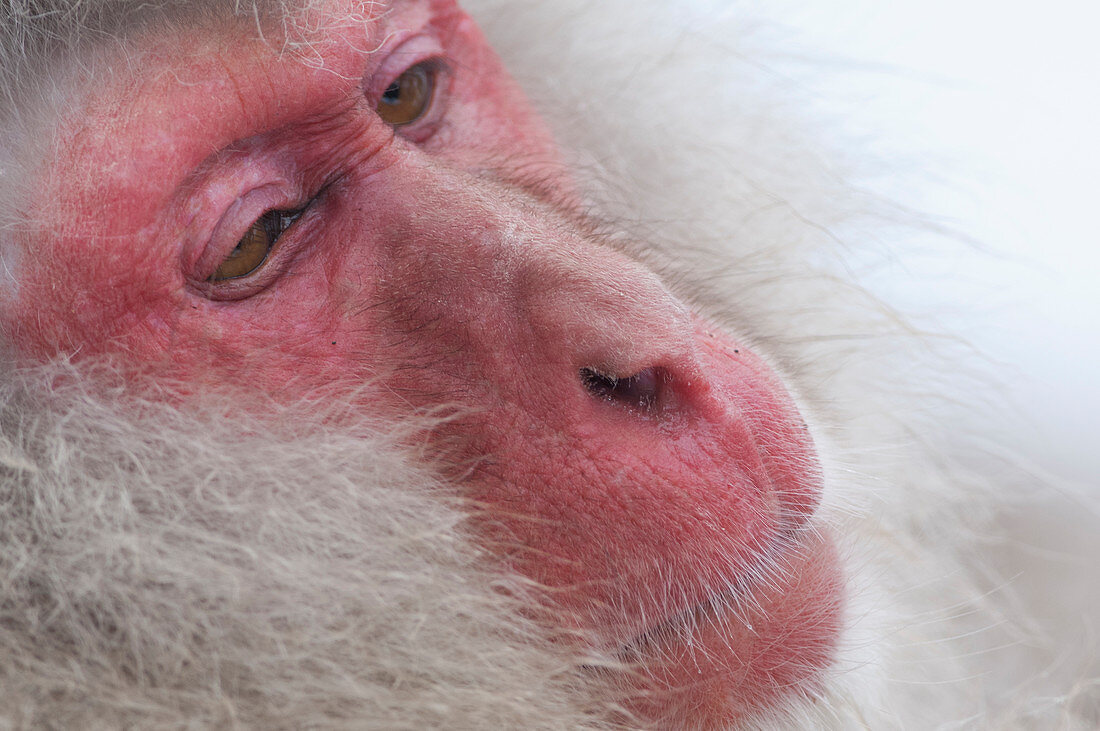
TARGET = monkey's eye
x,y
409,96
251,251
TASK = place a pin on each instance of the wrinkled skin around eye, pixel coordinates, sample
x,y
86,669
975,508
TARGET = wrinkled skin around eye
x,y
448,267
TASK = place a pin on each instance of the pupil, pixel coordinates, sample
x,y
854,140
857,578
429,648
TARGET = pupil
x,y
392,94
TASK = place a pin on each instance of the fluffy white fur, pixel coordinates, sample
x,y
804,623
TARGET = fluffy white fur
x,y
165,568
162,569
947,575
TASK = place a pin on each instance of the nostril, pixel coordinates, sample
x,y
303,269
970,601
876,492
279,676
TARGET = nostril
x,y
640,391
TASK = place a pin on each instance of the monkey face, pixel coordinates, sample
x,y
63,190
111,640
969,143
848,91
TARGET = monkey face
x,y
364,206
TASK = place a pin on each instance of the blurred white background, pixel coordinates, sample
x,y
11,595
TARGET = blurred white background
x,y
993,108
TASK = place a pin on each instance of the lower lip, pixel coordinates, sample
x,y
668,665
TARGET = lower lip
x,y
729,658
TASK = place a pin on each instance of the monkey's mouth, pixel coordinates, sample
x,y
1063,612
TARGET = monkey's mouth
x,y
767,634
734,601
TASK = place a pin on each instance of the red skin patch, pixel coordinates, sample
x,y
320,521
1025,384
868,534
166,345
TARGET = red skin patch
x,y
447,266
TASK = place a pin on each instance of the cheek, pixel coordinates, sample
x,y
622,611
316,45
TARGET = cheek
x,y
314,331
76,295
309,329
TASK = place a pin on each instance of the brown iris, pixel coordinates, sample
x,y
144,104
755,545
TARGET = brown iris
x,y
252,250
407,98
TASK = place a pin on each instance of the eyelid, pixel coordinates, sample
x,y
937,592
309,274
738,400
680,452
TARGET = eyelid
x,y
234,222
262,238
406,53
227,232
418,49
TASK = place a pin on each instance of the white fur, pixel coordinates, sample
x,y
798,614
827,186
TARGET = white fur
x,y
940,624
168,569
162,568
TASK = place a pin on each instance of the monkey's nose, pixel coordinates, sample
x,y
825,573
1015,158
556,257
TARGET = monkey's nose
x,y
642,391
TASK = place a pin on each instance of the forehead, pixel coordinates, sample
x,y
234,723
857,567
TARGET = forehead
x,y
211,69
166,99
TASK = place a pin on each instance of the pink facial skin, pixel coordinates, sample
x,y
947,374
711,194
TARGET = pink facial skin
x,y
446,265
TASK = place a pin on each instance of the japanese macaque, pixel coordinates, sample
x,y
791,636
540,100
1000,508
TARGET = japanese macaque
x,y
348,385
